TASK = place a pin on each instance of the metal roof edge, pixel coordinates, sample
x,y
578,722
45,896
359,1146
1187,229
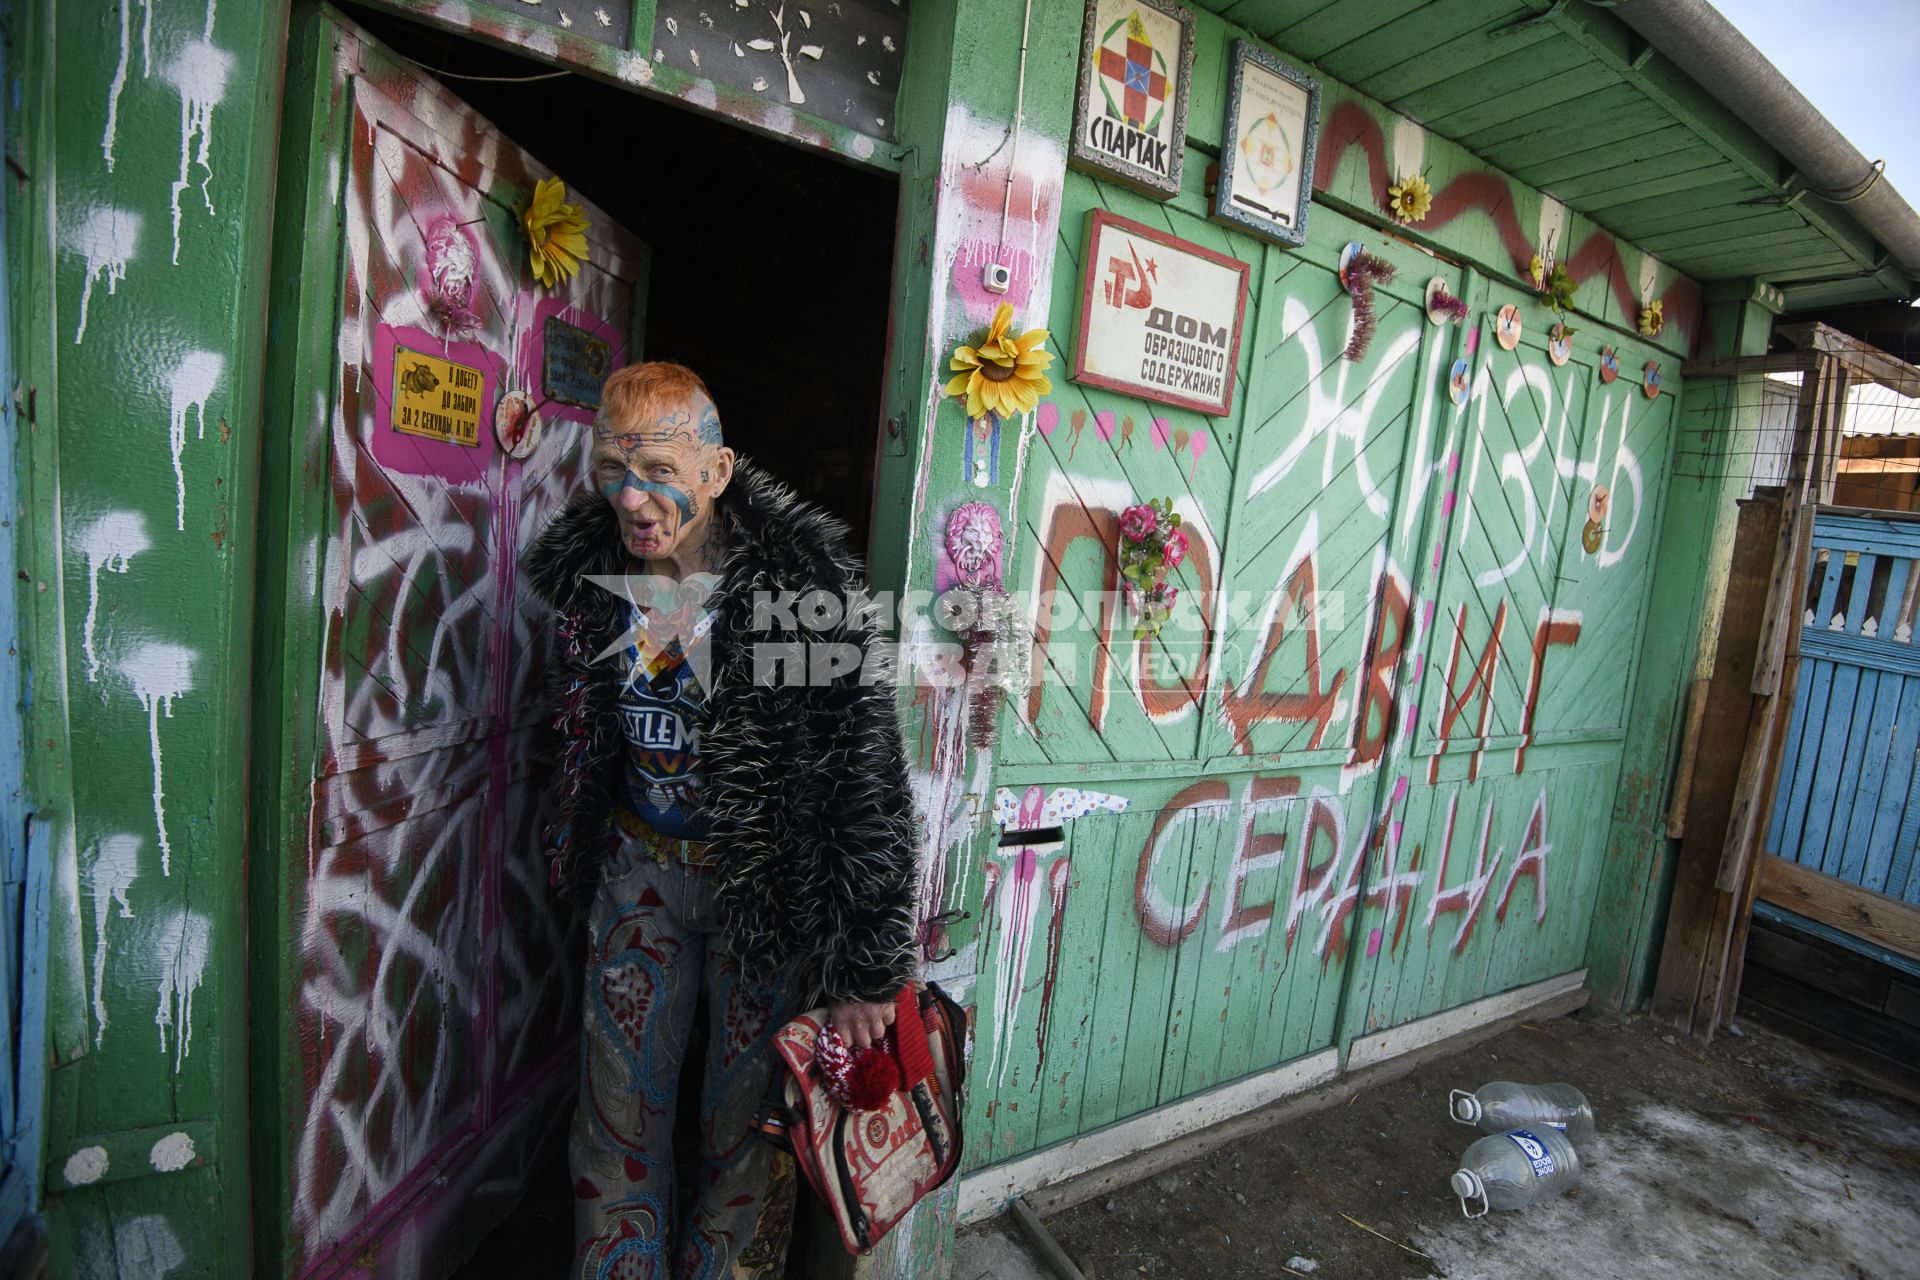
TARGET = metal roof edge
x,y
1699,41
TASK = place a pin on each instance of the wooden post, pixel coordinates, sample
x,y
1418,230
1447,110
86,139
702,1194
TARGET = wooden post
x,y
1687,957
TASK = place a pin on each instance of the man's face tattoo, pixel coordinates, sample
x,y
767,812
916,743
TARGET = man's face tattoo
x,y
646,471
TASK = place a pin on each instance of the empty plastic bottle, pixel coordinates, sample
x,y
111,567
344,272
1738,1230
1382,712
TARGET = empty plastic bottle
x,y
1501,1105
1514,1170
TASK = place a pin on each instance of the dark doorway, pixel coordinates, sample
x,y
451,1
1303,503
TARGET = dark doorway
x,y
772,264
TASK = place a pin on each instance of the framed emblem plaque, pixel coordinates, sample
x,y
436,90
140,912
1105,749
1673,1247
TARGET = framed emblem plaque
x,y
1160,317
1130,102
1266,146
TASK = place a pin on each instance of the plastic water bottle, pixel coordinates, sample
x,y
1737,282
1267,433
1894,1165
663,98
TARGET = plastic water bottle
x,y
1514,1170
1503,1105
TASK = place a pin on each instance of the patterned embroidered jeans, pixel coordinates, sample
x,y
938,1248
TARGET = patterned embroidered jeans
x,y
653,944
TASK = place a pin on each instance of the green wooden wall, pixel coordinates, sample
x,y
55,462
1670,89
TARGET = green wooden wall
x,y
1366,773
140,232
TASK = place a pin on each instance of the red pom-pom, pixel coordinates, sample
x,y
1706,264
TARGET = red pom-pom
x,y
874,1079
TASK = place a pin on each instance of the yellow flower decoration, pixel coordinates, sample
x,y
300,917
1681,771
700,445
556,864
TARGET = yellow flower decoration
x,y
1653,318
556,233
1004,374
1410,198
1537,271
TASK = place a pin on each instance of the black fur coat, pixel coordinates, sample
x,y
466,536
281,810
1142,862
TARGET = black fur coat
x,y
803,786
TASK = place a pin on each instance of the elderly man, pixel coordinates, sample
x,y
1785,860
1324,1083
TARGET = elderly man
x,y
734,816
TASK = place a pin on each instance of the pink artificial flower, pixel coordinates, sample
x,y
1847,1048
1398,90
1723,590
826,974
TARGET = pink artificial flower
x,y
1137,523
1165,594
1174,549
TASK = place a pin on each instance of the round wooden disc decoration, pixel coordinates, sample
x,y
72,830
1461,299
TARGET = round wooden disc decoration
x,y
1595,532
1506,327
1609,364
1650,379
1435,287
1559,345
1353,250
516,425
1459,382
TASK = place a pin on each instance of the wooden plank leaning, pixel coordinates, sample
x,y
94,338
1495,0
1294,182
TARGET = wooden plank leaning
x,y
1690,934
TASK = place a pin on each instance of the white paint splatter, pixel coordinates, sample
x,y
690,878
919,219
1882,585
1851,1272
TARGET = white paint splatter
x,y
120,71
86,1166
602,17
191,384
1409,148
172,1153
1649,277
199,71
146,1247
1553,220
115,866
886,42
108,544
183,966
159,673
107,240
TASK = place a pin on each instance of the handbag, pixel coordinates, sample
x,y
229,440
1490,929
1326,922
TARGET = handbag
x,y
871,1164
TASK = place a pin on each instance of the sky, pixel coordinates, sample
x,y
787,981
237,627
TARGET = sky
x,y
1855,61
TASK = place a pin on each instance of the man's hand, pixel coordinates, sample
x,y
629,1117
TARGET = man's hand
x,y
859,1024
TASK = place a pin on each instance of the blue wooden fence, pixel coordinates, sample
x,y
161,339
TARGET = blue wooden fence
x,y
1848,799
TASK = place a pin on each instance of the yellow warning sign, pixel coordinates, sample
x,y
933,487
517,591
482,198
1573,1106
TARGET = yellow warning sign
x,y
436,398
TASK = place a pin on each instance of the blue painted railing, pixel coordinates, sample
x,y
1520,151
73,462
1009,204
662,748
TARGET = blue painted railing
x,y
1848,799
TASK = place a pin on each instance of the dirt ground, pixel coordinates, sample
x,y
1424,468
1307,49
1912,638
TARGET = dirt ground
x,y
1755,1157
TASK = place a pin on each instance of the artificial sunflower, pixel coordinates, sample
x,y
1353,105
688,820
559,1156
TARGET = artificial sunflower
x,y
1537,271
1653,318
1410,198
556,233
1004,375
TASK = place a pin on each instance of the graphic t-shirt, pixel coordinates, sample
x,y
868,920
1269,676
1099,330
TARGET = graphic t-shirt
x,y
659,712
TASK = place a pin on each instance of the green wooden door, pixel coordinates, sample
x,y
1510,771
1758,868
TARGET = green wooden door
x,y
430,994
1363,774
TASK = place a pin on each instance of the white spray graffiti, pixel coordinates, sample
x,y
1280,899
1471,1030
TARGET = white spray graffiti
x,y
115,866
1625,476
191,384
1517,467
183,957
1648,277
108,544
1330,410
1553,220
159,673
107,239
1409,148
146,1247
199,71
120,70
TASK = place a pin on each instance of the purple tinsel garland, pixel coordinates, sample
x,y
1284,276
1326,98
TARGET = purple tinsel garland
x,y
1363,272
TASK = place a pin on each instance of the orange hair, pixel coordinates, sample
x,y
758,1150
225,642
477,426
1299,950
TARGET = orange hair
x,y
640,393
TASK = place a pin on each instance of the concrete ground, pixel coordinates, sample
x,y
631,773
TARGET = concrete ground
x,y
1753,1158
